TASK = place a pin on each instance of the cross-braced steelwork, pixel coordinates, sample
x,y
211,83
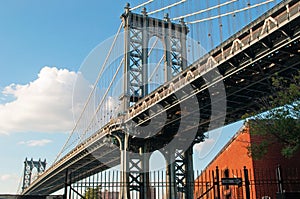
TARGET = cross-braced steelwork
x,y
180,177
29,165
139,29
242,66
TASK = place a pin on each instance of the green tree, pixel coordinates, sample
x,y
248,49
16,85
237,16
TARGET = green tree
x,y
278,121
93,193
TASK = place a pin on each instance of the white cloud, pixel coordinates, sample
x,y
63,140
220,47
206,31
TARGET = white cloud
x,y
9,183
44,105
204,148
5,177
207,143
33,143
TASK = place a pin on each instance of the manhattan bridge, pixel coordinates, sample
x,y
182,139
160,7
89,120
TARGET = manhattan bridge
x,y
174,71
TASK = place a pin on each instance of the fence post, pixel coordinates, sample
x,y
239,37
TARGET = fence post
x,y
247,183
279,180
214,183
66,185
218,182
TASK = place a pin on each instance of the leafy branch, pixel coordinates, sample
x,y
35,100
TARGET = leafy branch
x,y
278,119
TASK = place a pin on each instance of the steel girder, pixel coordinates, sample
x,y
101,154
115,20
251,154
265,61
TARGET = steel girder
x,y
29,165
139,28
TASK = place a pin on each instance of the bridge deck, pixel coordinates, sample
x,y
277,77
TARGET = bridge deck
x,y
245,62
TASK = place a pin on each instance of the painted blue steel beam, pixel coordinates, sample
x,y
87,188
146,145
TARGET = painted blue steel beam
x,y
264,52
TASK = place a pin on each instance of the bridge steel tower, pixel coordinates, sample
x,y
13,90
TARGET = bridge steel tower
x,y
139,29
29,165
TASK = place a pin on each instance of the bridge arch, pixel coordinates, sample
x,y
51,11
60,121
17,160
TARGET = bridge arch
x,y
157,161
31,169
156,63
139,29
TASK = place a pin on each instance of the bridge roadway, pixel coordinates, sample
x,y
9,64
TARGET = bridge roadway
x,y
245,62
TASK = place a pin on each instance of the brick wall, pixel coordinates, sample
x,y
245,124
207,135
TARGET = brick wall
x,y
262,173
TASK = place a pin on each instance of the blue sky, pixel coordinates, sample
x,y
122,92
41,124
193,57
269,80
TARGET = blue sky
x,y
35,34
42,46
56,33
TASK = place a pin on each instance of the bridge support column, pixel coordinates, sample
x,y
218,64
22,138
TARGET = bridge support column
x,y
188,154
138,173
180,176
171,176
134,169
124,191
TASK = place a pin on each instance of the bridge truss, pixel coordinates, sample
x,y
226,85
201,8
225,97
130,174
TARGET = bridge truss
x,y
244,64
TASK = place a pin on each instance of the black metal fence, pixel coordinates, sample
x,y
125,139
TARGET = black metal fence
x,y
263,183
107,185
244,183
10,196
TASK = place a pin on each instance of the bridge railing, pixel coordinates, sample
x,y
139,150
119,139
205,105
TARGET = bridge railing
x,y
218,56
198,69
251,35
255,33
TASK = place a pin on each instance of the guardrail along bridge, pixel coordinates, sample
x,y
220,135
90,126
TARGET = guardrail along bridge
x,y
216,89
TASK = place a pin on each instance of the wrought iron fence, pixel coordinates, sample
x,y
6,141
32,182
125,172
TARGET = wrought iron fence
x,y
264,183
11,196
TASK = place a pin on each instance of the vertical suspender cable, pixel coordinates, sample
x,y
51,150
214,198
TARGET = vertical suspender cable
x,y
103,100
233,18
250,15
198,30
245,13
91,93
210,28
220,23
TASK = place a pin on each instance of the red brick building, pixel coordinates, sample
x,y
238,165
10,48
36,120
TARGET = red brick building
x,y
264,181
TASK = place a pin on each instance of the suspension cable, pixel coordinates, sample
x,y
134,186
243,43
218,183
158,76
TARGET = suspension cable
x,y
156,67
229,13
152,47
204,10
103,98
91,93
19,183
167,7
220,24
109,87
141,5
